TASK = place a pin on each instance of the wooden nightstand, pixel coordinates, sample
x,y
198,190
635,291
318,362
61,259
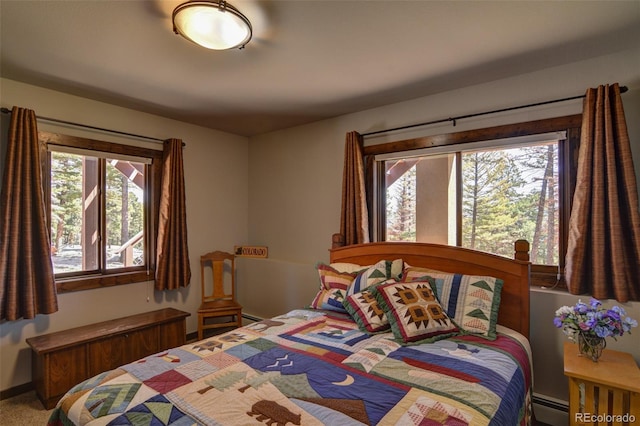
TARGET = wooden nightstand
x,y
604,391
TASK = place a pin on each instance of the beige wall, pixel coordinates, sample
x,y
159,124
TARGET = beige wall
x,y
216,175
295,184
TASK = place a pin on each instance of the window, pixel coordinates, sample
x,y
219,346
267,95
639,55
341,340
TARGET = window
x,y
102,198
506,193
482,189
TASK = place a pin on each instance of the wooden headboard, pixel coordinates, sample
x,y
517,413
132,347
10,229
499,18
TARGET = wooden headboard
x,y
514,303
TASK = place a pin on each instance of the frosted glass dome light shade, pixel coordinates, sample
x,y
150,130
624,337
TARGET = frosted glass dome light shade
x,y
212,24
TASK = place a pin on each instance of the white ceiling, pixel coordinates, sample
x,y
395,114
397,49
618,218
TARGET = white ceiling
x,y
307,61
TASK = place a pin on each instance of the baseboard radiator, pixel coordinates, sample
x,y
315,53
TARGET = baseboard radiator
x,y
252,318
554,404
550,411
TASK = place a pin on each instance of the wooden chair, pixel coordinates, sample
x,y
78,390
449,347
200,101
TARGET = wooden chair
x,y
216,300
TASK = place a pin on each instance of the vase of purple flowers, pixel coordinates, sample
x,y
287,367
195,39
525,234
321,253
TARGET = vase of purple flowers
x,y
590,324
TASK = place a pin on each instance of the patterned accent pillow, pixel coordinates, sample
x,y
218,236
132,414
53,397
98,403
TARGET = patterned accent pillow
x,y
366,311
471,301
333,288
414,312
375,274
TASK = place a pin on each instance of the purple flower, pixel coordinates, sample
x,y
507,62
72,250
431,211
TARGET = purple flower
x,y
614,314
581,307
602,331
618,310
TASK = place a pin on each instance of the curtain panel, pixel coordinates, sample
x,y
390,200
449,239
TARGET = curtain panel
x,y
172,264
603,252
354,218
27,282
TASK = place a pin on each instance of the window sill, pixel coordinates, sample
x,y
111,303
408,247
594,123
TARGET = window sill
x,y
548,290
67,285
546,280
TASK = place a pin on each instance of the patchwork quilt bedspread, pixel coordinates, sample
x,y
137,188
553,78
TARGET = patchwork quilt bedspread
x,y
311,367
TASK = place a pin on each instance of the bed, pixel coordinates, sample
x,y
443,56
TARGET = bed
x,y
454,357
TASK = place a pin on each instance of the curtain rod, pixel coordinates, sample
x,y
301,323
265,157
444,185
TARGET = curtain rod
x,y
55,120
623,89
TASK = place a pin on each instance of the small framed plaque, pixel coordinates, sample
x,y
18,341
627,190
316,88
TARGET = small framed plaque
x,y
251,251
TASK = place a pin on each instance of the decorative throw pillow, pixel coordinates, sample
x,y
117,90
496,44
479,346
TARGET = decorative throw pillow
x,y
375,274
333,288
366,311
414,312
471,301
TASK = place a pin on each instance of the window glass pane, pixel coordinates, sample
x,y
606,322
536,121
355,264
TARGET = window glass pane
x,y
125,213
507,194
74,214
511,194
421,199
401,202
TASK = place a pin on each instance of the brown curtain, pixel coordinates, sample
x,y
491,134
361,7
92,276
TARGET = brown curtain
x,y
354,221
603,253
27,284
172,266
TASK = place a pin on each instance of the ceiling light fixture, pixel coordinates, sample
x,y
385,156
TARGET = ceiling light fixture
x,y
212,24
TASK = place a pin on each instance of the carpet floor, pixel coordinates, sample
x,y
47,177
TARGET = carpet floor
x,y
23,410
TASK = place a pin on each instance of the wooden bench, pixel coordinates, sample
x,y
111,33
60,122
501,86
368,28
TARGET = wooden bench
x,y
63,359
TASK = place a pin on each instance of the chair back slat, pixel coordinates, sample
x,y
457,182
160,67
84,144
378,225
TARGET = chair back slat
x,y
218,262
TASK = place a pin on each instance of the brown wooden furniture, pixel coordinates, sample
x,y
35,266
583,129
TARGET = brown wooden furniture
x,y
514,304
63,359
218,300
602,392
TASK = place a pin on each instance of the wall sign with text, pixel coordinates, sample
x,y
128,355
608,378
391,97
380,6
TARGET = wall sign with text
x,y
251,251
